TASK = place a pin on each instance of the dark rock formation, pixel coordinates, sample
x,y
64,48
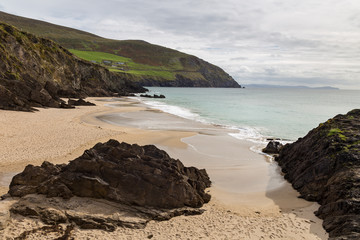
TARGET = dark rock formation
x,y
324,166
152,96
273,147
89,213
79,102
112,184
130,174
36,72
194,79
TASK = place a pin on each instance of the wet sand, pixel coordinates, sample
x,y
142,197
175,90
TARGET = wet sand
x,y
250,199
240,176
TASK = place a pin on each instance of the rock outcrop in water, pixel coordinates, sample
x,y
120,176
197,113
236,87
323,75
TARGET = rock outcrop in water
x,y
273,147
137,183
152,96
324,166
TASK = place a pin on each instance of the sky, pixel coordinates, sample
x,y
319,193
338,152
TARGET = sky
x,y
280,42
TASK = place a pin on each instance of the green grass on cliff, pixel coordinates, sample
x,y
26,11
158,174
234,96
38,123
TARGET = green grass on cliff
x,y
144,61
139,51
127,66
98,56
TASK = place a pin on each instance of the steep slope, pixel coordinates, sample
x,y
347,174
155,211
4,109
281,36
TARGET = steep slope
x,y
324,166
156,65
35,72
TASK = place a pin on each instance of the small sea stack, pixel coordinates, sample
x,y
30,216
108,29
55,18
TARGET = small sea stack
x,y
324,166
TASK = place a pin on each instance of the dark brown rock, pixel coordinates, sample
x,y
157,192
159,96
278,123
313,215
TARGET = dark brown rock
x,y
324,166
80,102
120,172
90,213
36,72
152,96
112,184
273,147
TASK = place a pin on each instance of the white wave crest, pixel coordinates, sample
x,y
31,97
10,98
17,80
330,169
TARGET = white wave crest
x,y
250,134
175,110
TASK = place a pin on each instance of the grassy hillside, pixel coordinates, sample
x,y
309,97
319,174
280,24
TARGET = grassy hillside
x,y
116,63
146,63
37,72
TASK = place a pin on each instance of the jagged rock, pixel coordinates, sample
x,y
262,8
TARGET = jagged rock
x,y
36,72
9,101
80,102
273,147
143,176
137,182
324,166
52,89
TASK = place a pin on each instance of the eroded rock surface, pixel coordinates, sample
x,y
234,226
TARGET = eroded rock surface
x,y
120,172
37,72
112,184
324,166
90,213
79,102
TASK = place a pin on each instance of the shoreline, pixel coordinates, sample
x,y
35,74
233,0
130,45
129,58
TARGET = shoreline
x,y
87,128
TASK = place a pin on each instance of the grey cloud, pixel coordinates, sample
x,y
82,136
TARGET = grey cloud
x,y
299,42
290,81
271,71
238,58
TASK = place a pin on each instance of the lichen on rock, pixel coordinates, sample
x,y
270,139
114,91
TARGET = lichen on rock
x,y
324,166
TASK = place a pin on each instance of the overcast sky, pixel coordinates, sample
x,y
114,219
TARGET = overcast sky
x,y
285,42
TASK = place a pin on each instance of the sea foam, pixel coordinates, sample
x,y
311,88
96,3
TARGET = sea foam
x,y
241,133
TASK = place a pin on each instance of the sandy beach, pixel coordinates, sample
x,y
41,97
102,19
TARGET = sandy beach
x,y
250,199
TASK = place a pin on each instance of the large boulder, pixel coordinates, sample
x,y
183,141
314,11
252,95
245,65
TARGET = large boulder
x,y
324,166
119,172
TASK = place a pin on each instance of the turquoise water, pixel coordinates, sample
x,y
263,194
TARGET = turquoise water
x,y
258,112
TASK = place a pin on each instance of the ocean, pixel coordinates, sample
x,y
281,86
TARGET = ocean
x,y
257,113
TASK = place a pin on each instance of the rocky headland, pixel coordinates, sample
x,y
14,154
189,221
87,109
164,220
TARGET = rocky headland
x,y
112,184
37,72
324,166
183,70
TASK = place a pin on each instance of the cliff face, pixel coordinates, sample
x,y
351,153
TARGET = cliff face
x,y
324,166
182,70
196,73
35,72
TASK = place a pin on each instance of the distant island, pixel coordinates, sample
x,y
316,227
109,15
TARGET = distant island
x,y
282,86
